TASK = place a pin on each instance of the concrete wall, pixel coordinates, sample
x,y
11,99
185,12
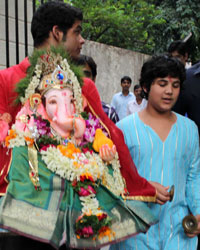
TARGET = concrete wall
x,y
112,63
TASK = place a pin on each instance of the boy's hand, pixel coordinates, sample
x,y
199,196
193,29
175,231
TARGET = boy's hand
x,y
162,196
196,232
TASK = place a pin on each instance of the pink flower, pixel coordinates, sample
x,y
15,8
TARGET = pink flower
x,y
86,232
45,147
42,126
85,150
102,216
86,192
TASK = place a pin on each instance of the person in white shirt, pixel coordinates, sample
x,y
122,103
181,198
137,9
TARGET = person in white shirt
x,y
121,99
138,103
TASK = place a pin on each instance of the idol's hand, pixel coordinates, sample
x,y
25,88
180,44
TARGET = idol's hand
x,y
196,232
107,154
162,196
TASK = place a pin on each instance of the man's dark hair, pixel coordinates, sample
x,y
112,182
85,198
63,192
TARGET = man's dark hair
x,y
137,86
179,46
160,66
50,14
126,78
83,60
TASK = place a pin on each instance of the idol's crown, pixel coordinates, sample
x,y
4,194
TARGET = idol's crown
x,y
57,80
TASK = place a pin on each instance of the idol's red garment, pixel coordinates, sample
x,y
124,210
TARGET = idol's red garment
x,y
8,79
138,187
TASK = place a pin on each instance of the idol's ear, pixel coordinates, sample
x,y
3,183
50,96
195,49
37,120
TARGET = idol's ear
x,y
84,102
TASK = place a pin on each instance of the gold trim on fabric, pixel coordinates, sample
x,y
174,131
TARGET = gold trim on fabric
x,y
33,164
94,113
140,198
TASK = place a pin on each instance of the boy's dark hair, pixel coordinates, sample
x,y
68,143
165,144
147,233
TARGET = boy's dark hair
x,y
50,14
179,46
126,78
137,86
83,60
160,66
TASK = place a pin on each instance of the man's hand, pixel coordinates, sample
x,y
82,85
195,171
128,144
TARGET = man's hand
x,y
195,233
162,196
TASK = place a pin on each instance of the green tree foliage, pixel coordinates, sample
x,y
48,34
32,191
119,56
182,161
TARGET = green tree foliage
x,y
182,17
147,26
126,24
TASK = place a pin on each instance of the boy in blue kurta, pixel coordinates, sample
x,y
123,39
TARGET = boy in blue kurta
x,y
165,149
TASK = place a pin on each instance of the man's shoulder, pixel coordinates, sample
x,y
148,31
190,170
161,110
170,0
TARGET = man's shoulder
x,y
131,94
132,101
23,65
15,72
194,70
116,96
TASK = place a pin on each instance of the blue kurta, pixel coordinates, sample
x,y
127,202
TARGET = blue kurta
x,y
176,161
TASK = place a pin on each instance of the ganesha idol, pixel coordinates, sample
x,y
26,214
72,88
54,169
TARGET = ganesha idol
x,y
71,179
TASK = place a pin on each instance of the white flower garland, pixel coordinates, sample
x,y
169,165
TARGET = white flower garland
x,y
90,204
72,169
19,140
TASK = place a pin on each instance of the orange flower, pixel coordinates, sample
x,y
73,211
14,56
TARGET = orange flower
x,y
29,140
86,176
68,150
11,135
106,231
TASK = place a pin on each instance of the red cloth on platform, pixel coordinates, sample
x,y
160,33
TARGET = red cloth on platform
x,y
8,79
138,187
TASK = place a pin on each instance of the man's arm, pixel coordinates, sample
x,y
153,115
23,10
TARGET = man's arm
x,y
113,102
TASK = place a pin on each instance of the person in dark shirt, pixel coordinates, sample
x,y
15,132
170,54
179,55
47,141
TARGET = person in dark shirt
x,y
189,101
179,50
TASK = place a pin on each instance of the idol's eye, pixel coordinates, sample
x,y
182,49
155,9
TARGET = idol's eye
x,y
52,101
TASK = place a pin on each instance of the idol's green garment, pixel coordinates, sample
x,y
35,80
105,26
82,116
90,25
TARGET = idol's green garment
x,y
45,215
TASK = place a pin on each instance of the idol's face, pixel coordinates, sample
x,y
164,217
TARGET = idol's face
x,y
163,93
59,104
